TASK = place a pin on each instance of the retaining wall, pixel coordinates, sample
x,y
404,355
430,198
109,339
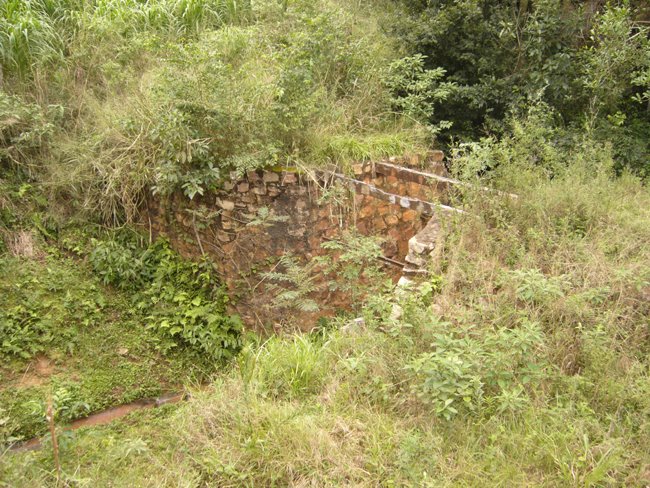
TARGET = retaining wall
x,y
250,222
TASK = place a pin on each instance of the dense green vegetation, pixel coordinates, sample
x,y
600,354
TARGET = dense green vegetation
x,y
523,358
588,63
109,100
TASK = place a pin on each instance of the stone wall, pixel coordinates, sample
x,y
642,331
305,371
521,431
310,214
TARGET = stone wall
x,y
253,220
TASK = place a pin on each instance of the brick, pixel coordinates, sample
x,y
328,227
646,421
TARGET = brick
x,y
409,216
391,220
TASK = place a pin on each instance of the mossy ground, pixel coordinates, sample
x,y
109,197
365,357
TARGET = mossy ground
x,y
100,351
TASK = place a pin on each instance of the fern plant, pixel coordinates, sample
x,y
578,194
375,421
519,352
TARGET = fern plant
x,y
294,284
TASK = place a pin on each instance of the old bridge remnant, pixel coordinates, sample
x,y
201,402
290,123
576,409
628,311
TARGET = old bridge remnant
x,y
255,218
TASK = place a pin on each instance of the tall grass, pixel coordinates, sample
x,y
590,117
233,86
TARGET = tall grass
x,y
169,95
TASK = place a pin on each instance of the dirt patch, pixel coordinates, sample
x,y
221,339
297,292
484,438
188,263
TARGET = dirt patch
x,y
36,373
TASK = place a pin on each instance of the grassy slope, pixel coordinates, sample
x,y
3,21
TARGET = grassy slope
x,y
100,353
535,332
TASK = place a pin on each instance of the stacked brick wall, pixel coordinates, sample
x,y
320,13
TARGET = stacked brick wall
x,y
250,222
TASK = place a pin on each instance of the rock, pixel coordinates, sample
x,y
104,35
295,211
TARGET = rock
x,y
224,236
396,313
226,204
289,179
122,351
270,177
436,156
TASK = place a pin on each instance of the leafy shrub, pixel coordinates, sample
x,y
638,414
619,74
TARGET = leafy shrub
x,y
186,306
67,404
353,265
124,265
293,284
24,128
533,287
415,90
466,373
24,332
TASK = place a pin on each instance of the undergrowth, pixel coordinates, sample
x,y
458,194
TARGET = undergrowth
x,y
107,102
521,361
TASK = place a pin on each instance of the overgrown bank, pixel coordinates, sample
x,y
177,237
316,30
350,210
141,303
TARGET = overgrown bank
x,y
522,360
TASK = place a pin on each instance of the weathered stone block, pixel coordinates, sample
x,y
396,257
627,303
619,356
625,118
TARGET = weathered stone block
x,y
409,216
366,211
436,156
297,232
226,204
243,187
248,198
391,220
271,177
378,223
260,190
289,179
228,224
